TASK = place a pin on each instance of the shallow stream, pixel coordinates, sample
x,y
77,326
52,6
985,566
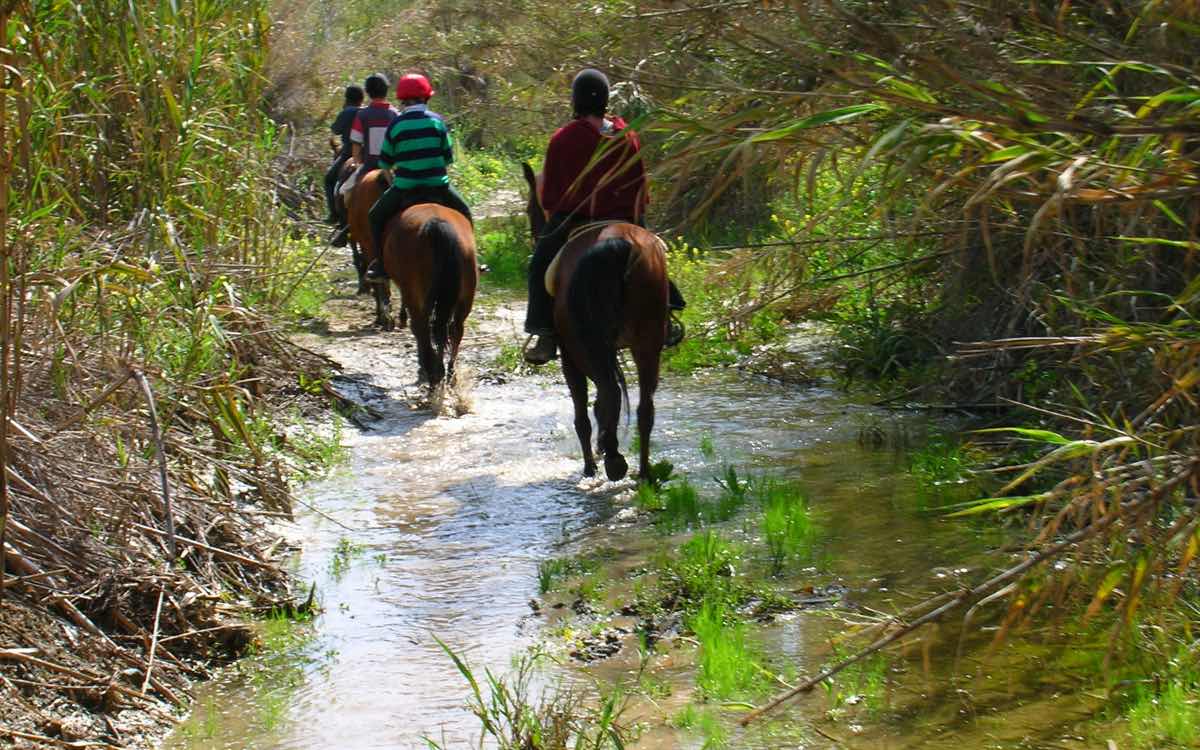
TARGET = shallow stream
x,y
434,527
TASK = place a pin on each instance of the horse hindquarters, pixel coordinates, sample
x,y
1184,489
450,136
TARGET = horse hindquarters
x,y
596,309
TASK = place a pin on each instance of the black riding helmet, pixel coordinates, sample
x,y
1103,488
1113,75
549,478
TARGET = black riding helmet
x,y
589,93
354,95
377,85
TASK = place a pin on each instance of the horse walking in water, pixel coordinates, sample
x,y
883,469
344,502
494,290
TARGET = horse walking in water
x,y
362,197
610,290
429,253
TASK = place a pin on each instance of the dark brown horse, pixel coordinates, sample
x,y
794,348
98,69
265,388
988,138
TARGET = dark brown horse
x,y
610,285
362,197
429,252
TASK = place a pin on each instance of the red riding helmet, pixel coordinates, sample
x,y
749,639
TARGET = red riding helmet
x,y
413,86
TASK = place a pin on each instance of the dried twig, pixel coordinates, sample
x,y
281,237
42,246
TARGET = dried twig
x,y
153,643
162,462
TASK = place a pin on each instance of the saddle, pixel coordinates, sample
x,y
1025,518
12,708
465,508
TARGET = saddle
x,y
576,233
414,196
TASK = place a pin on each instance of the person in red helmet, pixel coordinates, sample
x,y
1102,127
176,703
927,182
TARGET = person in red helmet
x,y
417,149
593,172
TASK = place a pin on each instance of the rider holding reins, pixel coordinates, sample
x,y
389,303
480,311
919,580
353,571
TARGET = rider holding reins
x,y
593,172
417,149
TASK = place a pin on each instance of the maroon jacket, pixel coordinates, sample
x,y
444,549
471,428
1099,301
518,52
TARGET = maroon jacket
x,y
612,188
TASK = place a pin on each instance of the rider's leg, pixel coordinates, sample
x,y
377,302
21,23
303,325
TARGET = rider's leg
x,y
330,184
383,210
455,201
539,313
675,300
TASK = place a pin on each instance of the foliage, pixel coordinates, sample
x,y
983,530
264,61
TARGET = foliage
x,y
515,718
505,249
148,267
786,525
727,666
477,173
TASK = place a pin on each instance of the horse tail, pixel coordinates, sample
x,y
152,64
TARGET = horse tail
x,y
447,274
595,307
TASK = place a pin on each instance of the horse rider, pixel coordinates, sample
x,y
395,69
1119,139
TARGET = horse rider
x,y
367,134
341,129
416,149
580,187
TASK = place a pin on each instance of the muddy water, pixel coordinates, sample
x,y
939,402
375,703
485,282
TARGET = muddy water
x,y
434,527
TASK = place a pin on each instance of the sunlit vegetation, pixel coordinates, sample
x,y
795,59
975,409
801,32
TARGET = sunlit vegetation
x,y
515,714
150,268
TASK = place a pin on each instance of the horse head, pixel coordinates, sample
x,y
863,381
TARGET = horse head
x,y
537,214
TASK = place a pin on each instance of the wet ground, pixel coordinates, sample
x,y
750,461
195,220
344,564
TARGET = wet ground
x,y
434,526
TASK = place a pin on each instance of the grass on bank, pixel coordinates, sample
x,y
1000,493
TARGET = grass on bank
x,y
515,714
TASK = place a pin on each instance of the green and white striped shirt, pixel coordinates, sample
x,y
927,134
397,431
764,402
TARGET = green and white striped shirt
x,y
417,149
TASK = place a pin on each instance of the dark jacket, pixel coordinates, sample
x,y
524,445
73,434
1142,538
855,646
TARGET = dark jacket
x,y
341,127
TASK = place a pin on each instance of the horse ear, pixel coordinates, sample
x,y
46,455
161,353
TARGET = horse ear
x,y
529,176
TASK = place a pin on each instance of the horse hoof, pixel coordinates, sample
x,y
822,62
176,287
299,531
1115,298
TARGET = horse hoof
x,y
589,470
615,466
363,288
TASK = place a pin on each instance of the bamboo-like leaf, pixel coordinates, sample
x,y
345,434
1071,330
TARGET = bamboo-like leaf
x,y
1184,244
987,505
830,117
1072,450
1105,589
1042,436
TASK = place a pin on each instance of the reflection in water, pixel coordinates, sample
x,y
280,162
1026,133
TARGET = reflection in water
x,y
448,519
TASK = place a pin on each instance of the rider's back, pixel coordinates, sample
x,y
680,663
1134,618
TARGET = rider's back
x,y
370,128
613,187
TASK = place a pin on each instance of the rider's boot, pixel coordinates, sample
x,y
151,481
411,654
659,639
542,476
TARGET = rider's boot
x,y
674,331
543,351
675,299
376,272
341,236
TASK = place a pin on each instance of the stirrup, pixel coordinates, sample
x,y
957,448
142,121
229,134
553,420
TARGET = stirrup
x,y
675,331
526,349
376,273
340,236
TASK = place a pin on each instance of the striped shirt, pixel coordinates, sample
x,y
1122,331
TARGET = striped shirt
x,y
417,149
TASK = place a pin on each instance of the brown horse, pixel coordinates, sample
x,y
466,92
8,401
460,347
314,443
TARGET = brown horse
x,y
362,197
429,252
610,293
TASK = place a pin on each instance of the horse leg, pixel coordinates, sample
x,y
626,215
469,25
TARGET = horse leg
x,y
647,363
608,410
578,386
360,267
456,334
383,305
430,365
